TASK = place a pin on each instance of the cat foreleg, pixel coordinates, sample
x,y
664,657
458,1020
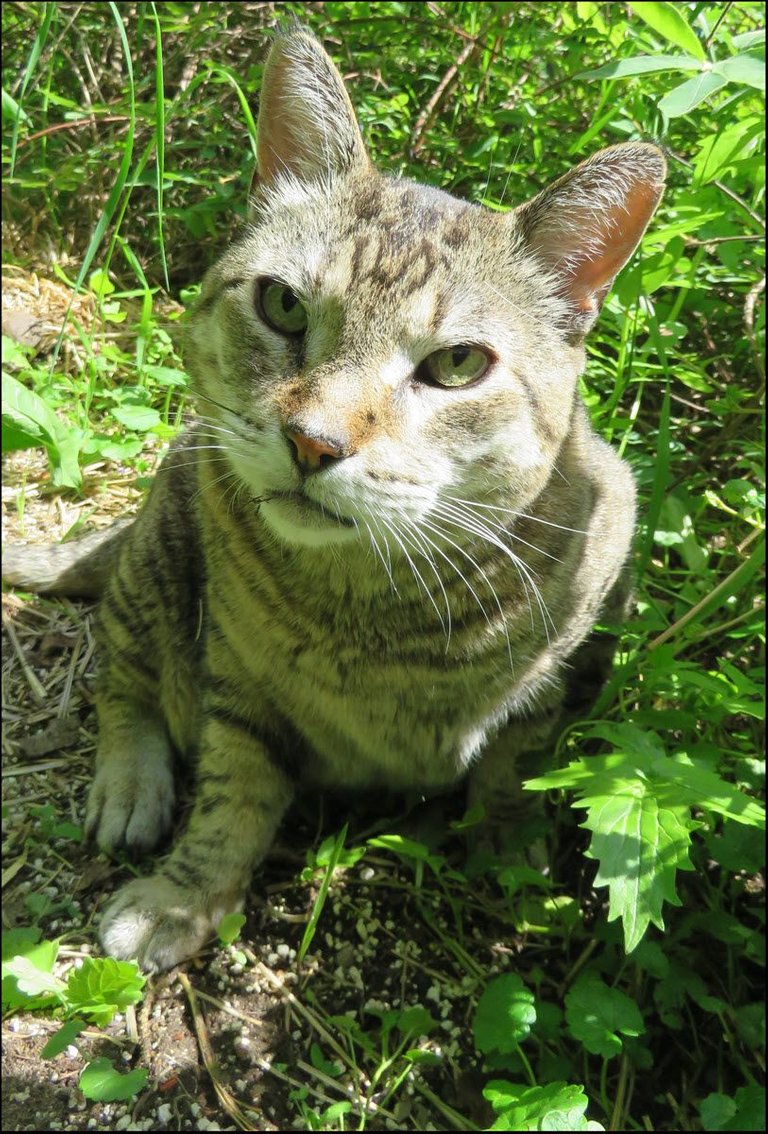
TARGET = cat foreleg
x,y
241,798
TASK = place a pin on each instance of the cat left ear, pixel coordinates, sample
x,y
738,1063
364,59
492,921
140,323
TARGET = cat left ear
x,y
307,128
585,226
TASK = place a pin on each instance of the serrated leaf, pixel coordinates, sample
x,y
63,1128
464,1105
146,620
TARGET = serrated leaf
x,y
229,927
101,1082
747,69
505,1014
103,986
682,99
670,23
597,1016
639,846
61,1039
642,65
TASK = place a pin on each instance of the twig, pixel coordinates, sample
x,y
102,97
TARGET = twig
x,y
724,189
227,1100
38,692
424,118
749,323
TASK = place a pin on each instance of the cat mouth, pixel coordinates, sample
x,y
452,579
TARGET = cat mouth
x,y
307,510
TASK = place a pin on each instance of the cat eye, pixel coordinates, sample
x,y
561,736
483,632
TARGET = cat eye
x,y
281,308
455,366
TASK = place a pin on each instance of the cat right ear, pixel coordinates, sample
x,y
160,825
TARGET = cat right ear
x,y
307,128
585,226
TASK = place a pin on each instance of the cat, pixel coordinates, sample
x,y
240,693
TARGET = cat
x,y
378,557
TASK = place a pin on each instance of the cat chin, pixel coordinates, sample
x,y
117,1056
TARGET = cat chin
x,y
304,526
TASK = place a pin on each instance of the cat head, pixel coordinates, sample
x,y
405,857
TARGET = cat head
x,y
371,351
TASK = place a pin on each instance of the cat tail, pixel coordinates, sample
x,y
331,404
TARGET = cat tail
x,y
79,569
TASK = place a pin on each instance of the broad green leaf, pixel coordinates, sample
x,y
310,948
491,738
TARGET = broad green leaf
x,y
138,417
33,981
505,1014
670,23
103,986
745,40
555,1106
416,1021
229,927
61,1039
750,1110
689,94
715,1111
639,846
642,65
720,150
24,942
747,69
597,1016
29,421
27,411
101,1082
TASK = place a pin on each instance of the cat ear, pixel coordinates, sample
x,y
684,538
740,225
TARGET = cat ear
x,y
307,127
585,226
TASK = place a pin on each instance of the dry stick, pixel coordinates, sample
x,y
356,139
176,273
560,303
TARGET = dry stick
x,y
749,323
38,692
91,120
689,614
227,1100
423,120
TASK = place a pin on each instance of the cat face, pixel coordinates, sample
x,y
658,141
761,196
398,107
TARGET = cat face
x,y
372,354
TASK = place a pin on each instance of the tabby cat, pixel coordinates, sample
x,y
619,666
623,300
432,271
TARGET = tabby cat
x,y
377,558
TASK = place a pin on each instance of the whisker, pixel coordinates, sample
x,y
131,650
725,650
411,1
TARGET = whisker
x,y
512,512
416,573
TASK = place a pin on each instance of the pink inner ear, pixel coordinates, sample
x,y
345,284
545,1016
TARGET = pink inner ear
x,y
594,245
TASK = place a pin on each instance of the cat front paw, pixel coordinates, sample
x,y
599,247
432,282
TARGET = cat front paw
x,y
157,923
130,806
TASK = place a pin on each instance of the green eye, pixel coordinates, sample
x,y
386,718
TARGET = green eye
x,y
456,366
281,308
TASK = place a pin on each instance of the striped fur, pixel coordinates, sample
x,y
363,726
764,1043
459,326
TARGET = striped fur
x,y
417,603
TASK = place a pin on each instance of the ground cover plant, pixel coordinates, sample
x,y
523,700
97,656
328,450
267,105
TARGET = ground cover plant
x,y
383,979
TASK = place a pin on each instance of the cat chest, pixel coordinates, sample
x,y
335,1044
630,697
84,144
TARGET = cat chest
x,y
406,716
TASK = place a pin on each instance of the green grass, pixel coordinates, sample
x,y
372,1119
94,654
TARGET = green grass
x,y
128,149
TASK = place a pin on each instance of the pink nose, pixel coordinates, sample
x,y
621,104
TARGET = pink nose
x,y
311,453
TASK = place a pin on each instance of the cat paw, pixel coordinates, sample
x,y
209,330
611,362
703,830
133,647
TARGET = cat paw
x,y
130,807
156,923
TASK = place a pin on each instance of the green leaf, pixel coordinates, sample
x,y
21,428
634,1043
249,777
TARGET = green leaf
x,y
29,421
138,417
12,112
28,413
555,1106
416,1021
747,69
642,65
25,942
33,981
101,1082
229,927
745,40
682,99
597,1016
61,1039
504,1016
640,845
103,986
715,1111
670,23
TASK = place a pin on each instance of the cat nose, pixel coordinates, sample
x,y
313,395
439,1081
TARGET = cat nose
x,y
312,453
